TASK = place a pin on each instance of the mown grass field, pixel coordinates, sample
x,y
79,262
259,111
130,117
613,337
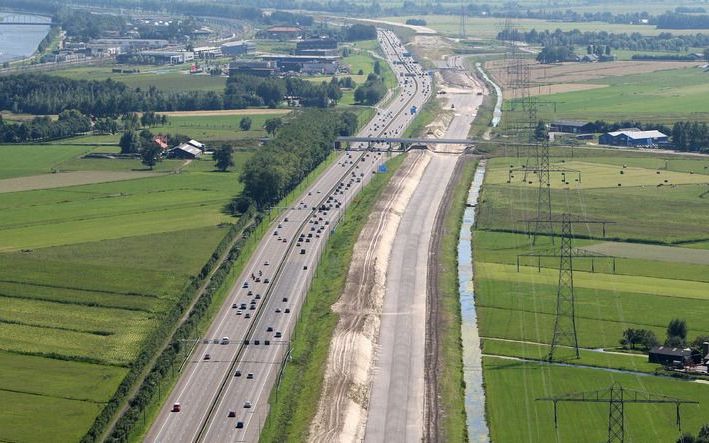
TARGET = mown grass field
x,y
650,286
661,96
483,27
86,273
23,160
166,78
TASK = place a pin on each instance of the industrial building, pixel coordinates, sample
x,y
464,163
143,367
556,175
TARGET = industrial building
x,y
237,48
295,63
317,47
281,32
162,57
261,68
572,126
634,138
115,46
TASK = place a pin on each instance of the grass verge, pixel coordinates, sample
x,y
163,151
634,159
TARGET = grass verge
x,y
425,116
451,386
294,403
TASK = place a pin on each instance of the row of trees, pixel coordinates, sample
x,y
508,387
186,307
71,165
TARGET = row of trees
x,y
702,436
244,90
298,147
48,94
690,136
634,41
371,91
673,20
556,54
676,336
70,122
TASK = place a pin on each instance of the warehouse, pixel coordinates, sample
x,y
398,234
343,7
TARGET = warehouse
x,y
237,48
634,138
572,126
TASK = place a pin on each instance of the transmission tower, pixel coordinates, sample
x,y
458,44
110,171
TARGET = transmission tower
x,y
565,318
616,396
461,29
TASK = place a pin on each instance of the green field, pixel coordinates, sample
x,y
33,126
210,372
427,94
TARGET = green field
x,y
166,78
650,286
79,264
661,96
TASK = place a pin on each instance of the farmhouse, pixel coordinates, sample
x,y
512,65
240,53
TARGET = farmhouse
x,y
633,138
184,151
572,126
666,355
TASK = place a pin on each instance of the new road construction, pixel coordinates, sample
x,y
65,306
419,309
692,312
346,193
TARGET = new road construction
x,y
222,394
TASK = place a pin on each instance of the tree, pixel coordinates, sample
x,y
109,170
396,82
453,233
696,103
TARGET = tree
x,y
377,69
245,123
272,125
702,436
224,157
129,142
706,54
150,155
643,337
676,332
540,131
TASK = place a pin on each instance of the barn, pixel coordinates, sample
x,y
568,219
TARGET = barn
x,y
634,138
572,126
667,355
184,151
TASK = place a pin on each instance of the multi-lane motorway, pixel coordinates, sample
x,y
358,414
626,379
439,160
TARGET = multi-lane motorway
x,y
223,391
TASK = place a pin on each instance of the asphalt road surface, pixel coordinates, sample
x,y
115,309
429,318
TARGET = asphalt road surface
x,y
396,407
224,389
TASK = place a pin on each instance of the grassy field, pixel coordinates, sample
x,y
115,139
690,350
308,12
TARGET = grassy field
x,y
167,78
650,286
80,263
482,27
662,96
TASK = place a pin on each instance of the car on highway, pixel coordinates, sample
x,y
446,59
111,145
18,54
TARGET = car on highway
x,y
247,404
239,425
207,357
176,407
225,340
231,414
237,373
278,334
250,376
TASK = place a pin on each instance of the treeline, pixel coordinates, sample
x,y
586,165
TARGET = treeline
x,y
359,32
371,91
299,146
635,41
69,123
243,90
672,20
690,136
663,57
556,54
85,26
47,94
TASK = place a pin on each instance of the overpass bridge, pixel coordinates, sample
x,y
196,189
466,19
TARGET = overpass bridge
x,y
399,144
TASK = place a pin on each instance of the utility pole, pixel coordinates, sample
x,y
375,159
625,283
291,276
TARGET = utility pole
x,y
616,396
565,318
461,26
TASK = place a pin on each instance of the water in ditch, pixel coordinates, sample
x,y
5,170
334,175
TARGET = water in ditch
x,y
472,354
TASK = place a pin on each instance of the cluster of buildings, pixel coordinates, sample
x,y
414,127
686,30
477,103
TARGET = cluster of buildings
x,y
681,358
627,137
188,150
318,56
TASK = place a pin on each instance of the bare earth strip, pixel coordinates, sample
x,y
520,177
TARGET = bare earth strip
x,y
342,410
63,179
652,252
226,112
555,89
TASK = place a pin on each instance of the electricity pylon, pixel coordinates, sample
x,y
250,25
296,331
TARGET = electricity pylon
x,y
616,396
565,318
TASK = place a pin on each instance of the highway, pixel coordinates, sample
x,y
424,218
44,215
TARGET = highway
x,y
396,407
261,310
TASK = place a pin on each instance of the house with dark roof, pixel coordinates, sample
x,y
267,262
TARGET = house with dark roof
x,y
572,126
669,356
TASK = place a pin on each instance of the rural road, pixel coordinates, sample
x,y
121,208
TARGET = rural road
x,y
275,282
396,408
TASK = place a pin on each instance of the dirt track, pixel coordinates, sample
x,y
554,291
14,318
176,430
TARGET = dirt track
x,y
342,410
